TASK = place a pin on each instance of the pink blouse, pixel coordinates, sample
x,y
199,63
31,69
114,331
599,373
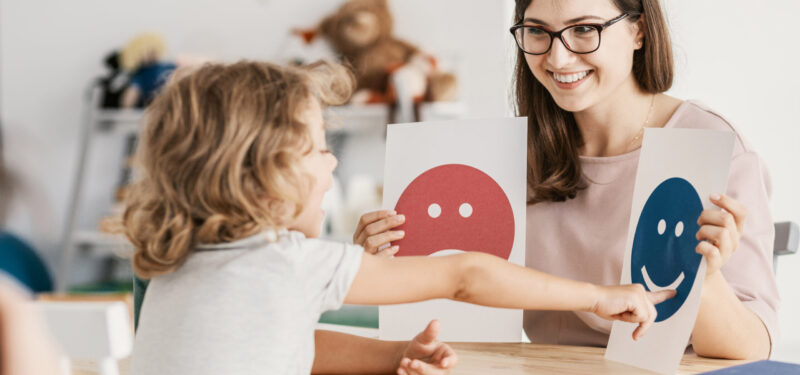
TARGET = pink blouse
x,y
584,238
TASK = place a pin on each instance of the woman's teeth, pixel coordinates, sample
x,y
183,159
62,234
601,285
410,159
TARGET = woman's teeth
x,y
569,78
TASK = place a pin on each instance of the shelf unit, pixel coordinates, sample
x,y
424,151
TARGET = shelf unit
x,y
76,242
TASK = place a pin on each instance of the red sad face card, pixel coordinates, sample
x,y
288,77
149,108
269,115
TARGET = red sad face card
x,y
455,207
461,186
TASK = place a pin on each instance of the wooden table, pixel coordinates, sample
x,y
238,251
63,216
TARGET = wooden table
x,y
513,359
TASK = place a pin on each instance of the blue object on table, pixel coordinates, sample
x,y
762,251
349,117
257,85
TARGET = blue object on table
x,y
21,262
760,367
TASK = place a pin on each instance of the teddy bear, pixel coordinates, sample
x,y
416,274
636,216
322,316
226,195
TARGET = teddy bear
x,y
360,32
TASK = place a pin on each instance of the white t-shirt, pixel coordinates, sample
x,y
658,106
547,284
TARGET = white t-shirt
x,y
246,307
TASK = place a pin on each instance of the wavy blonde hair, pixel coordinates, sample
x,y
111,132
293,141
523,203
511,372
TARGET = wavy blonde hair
x,y
218,157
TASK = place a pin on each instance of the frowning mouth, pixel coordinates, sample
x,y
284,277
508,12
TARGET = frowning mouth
x,y
653,287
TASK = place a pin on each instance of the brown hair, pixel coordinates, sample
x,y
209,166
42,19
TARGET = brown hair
x,y
218,157
554,140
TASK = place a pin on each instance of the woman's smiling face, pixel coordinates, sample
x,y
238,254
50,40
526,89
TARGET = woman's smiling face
x,y
580,81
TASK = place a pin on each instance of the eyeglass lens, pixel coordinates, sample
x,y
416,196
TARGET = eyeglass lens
x,y
578,39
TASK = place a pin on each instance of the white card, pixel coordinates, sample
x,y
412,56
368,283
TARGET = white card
x,y
678,170
461,185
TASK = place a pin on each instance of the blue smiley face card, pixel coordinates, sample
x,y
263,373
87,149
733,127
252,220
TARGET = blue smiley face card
x,y
665,240
678,170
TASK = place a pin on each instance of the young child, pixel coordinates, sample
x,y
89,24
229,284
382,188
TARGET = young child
x,y
224,219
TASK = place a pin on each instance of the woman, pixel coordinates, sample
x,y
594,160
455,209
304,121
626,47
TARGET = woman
x,y
588,100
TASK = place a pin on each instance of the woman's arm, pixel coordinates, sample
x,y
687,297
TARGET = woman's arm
x,y
725,327
488,280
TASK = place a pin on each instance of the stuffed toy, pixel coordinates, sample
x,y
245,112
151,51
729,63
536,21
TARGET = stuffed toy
x,y
113,85
141,59
360,32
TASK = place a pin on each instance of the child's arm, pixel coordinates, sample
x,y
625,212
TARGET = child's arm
x,y
488,280
339,353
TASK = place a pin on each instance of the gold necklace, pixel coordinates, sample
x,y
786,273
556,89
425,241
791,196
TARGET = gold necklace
x,y
640,133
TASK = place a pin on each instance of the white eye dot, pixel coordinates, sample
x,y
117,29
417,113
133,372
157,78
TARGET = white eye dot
x,y
465,210
678,229
662,226
434,210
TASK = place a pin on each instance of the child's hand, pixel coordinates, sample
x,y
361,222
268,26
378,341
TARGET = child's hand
x,y
720,231
373,231
427,356
630,303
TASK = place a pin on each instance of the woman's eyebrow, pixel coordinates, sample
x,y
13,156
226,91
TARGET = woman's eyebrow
x,y
568,22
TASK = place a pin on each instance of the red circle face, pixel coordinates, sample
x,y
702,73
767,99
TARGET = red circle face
x,y
458,207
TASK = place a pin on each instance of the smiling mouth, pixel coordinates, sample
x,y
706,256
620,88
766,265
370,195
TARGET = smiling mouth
x,y
655,288
570,78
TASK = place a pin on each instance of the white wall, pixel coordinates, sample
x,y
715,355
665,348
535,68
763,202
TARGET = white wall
x,y
740,58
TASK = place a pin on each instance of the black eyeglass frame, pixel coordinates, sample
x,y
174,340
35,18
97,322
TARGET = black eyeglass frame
x,y
557,34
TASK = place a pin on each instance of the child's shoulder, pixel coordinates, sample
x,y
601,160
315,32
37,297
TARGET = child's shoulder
x,y
290,248
294,247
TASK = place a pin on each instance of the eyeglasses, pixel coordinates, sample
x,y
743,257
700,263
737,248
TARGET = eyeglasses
x,y
581,38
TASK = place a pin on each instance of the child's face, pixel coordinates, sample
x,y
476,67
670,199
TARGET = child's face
x,y
320,163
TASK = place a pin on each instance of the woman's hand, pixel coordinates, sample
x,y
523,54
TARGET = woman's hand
x,y
374,232
630,303
424,355
720,231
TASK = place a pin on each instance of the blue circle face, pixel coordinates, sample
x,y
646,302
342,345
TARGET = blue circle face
x,y
664,255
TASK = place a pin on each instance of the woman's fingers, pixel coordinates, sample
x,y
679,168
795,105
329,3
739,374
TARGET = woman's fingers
x,y
720,231
388,252
733,206
712,254
718,236
720,219
375,243
378,227
384,224
369,218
